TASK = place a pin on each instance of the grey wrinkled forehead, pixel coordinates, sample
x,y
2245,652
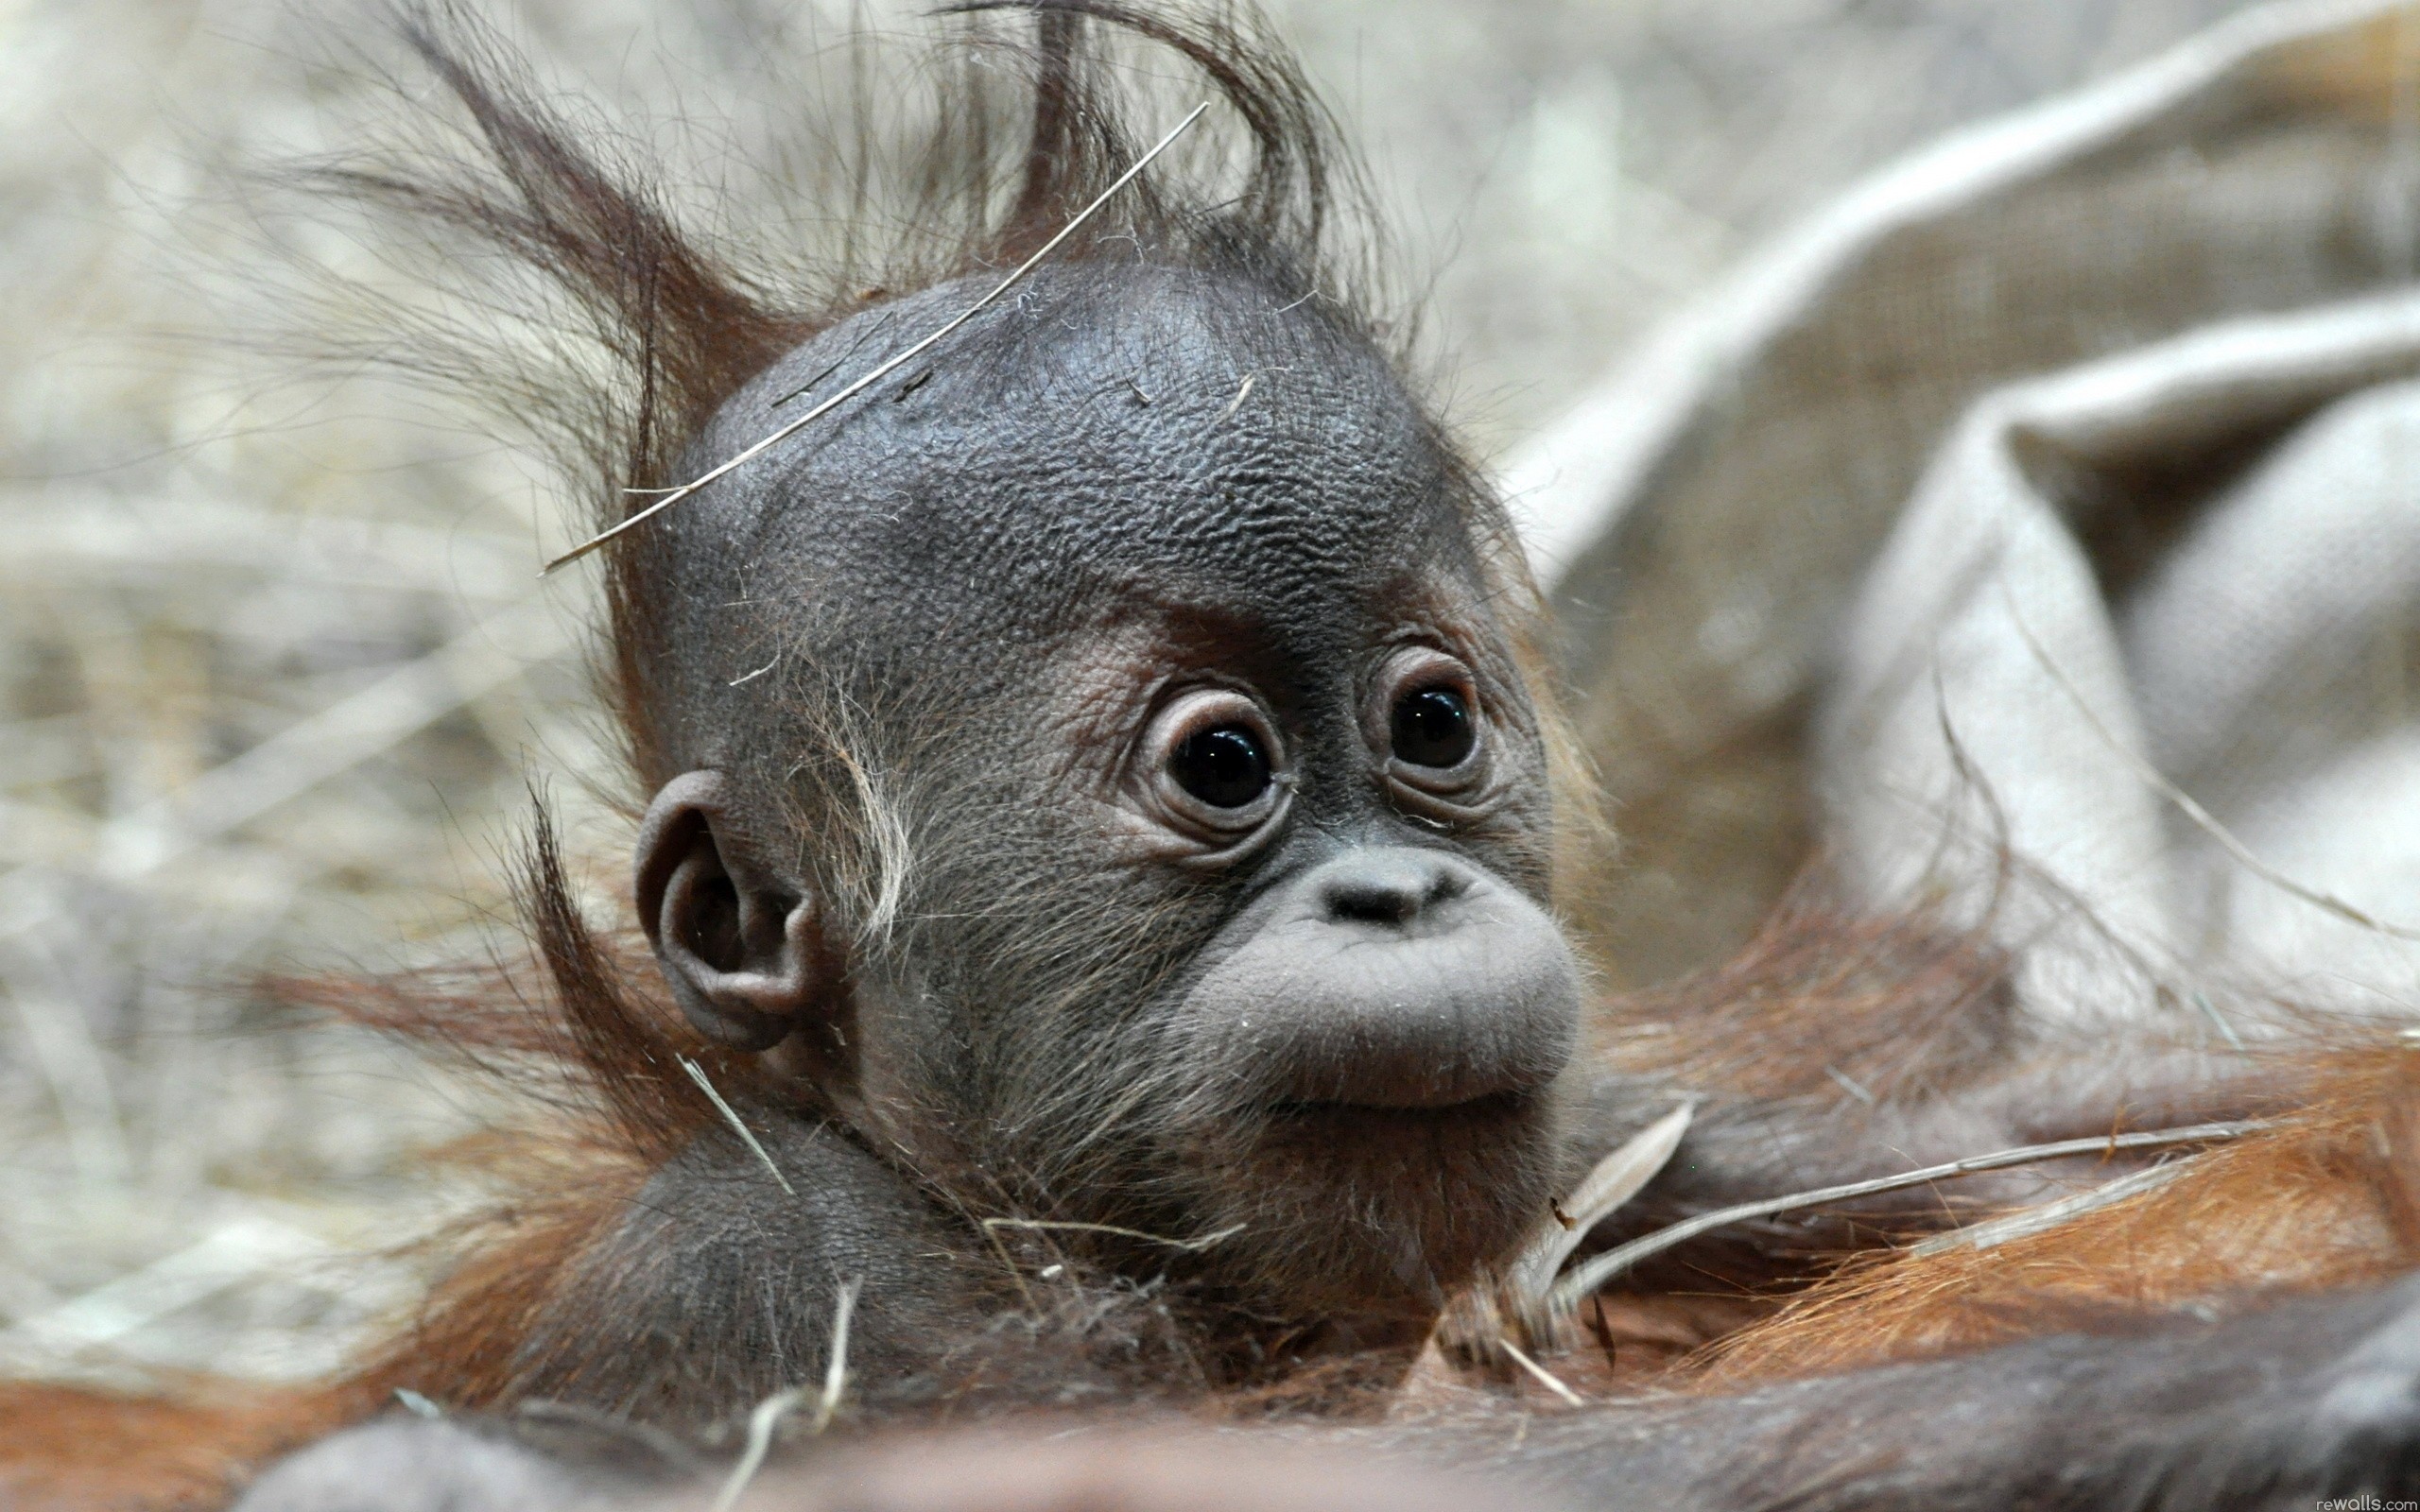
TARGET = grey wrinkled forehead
x,y
1146,431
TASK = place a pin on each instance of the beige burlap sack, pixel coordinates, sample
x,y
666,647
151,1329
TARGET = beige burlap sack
x,y
2037,535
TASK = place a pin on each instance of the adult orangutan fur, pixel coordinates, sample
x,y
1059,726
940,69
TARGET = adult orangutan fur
x,y
1033,1092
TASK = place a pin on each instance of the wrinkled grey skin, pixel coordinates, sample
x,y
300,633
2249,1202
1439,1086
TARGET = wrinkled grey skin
x,y
977,592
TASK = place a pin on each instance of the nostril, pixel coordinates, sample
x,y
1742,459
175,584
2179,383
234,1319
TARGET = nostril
x,y
1392,889
1373,900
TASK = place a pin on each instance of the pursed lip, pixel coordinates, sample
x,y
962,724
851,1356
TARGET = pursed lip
x,y
1419,1024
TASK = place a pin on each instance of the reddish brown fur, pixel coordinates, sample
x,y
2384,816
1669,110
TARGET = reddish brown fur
x,y
606,1060
462,1348
1902,1004
682,325
64,1449
2325,1199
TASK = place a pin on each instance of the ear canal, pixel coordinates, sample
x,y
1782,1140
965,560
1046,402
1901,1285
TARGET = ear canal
x,y
741,950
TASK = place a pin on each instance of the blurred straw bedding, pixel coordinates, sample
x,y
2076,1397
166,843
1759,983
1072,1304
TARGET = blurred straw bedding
x,y
276,669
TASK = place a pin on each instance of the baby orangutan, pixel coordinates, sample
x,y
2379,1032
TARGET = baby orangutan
x,y
1098,838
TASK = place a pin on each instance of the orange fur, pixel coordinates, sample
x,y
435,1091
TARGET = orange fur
x,y
2329,1197
66,1448
464,1348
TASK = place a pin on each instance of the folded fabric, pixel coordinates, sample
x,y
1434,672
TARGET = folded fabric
x,y
2037,536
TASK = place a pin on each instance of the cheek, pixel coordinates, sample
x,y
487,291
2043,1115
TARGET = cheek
x,y
1042,907
1518,840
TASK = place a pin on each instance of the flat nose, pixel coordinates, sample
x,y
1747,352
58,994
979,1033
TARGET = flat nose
x,y
1394,886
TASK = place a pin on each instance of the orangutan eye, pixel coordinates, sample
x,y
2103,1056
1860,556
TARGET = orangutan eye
x,y
1431,727
1212,766
1428,728
1224,767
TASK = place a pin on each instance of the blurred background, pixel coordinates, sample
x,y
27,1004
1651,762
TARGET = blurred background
x,y
275,666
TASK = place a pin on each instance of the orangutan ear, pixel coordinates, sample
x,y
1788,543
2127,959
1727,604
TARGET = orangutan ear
x,y
741,949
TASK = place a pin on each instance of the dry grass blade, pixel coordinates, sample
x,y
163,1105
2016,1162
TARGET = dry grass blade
x,y
2043,1216
768,1416
730,1116
1483,1323
1541,1374
1190,1246
762,1422
237,1251
70,1060
673,497
1565,1300
1615,1180
992,1228
339,737
836,1371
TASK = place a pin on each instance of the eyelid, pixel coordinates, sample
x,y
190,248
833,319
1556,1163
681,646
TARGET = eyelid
x,y
1410,668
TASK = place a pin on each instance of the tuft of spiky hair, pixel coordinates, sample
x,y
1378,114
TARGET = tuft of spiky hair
x,y
572,298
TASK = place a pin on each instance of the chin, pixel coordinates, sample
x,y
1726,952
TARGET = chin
x,y
1382,1211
